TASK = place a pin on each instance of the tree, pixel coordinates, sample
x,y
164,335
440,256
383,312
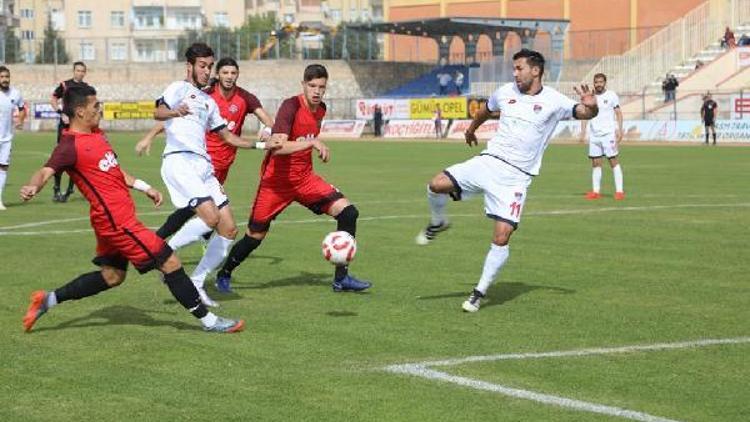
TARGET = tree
x,y
53,47
12,47
237,42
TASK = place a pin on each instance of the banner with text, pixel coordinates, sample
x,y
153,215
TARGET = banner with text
x,y
412,129
45,111
740,107
341,128
129,110
450,107
743,56
391,108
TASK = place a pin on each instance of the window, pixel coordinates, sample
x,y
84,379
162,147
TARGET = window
x,y
27,13
118,51
184,20
87,51
117,19
221,19
148,17
289,18
58,19
336,15
27,35
84,19
353,14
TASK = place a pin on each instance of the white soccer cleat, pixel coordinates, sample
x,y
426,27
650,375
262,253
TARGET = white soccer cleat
x,y
205,299
2,207
429,233
472,303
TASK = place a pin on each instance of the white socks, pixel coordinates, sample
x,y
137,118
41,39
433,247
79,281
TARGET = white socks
x,y
191,232
596,179
3,176
51,300
495,260
209,320
617,172
216,251
437,206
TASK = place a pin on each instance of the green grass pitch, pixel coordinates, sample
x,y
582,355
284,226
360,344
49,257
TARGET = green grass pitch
x,y
668,264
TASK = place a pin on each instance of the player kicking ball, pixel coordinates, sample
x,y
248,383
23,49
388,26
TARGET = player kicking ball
x,y
528,114
86,155
287,176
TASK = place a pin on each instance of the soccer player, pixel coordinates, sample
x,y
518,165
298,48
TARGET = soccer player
x,y
86,155
604,138
186,167
79,72
11,102
287,176
528,114
709,111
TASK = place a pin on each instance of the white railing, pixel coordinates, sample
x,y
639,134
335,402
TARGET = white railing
x,y
671,46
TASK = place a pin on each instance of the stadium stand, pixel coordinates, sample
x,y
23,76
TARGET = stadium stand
x,y
427,85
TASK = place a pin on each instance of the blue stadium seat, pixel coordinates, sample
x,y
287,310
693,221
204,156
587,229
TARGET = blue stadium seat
x,y
427,85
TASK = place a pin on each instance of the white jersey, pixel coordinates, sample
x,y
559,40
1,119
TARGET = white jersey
x,y
10,102
604,122
188,133
526,125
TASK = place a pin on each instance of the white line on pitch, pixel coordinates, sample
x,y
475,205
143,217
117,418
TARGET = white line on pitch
x,y
422,369
379,218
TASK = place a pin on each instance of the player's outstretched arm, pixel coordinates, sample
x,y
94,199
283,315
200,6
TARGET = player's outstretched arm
x,y
144,187
144,145
238,142
301,144
587,108
480,117
164,113
37,182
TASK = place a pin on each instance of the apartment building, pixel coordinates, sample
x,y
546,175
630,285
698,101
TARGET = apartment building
x,y
321,12
122,30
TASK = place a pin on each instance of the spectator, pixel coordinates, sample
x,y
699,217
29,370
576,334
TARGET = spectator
x,y
459,82
437,117
728,41
699,64
444,79
669,86
377,120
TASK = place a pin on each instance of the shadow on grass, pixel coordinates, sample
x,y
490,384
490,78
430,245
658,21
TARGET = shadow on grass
x,y
119,315
274,260
341,314
502,292
303,279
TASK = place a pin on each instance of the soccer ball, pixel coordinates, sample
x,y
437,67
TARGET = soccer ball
x,y
339,248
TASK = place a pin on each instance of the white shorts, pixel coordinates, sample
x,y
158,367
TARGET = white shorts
x,y
190,180
604,145
5,148
504,187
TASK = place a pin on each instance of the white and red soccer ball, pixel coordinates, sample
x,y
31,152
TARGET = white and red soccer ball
x,y
339,248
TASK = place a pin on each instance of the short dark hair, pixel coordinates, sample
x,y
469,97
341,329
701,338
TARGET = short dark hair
x,y
315,71
227,61
4,69
600,75
533,58
76,96
198,49
79,63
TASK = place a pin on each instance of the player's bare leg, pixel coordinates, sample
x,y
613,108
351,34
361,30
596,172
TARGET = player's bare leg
x,y
596,179
496,258
3,176
346,215
440,189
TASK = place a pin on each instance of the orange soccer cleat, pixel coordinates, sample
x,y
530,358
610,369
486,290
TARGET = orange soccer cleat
x,y
37,308
619,196
593,195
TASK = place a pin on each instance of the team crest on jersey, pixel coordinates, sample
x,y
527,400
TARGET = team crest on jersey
x,y
606,101
512,101
192,96
537,108
233,108
519,195
109,161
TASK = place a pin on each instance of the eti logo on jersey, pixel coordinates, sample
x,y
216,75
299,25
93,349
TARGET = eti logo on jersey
x,y
537,108
109,161
233,108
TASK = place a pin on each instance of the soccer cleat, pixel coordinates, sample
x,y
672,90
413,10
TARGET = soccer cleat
x,y
224,283
37,308
472,303
429,233
593,195
205,299
2,207
619,196
226,325
56,196
350,284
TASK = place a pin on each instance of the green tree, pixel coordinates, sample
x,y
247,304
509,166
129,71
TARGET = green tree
x,y
237,42
53,47
12,47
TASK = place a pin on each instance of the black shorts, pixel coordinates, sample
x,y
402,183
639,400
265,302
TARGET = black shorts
x,y
708,122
